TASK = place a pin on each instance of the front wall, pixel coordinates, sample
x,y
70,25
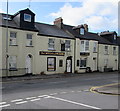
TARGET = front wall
x,y
41,60
21,51
90,61
111,58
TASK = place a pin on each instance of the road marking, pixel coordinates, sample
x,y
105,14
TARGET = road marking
x,y
4,105
79,91
16,100
35,99
42,96
86,90
21,102
57,82
69,101
30,98
94,89
47,97
53,94
63,92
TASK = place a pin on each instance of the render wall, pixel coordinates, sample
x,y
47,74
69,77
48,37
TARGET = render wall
x,y
41,60
112,59
20,50
90,61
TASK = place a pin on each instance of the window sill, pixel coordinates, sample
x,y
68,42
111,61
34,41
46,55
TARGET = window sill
x,y
82,67
13,45
30,46
94,52
51,49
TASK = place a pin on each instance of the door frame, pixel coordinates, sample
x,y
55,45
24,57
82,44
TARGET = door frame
x,y
31,57
69,58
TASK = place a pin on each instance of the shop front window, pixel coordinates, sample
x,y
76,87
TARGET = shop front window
x,y
51,64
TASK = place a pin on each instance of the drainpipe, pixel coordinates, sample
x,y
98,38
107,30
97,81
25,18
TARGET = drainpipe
x,y
97,56
74,54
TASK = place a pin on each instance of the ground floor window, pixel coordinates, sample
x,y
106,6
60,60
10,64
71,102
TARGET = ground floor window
x,y
51,63
60,63
12,62
83,63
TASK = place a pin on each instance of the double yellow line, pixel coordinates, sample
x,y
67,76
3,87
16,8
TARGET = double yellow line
x,y
94,89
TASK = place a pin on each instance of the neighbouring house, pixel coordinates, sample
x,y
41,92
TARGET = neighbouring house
x,y
92,51
118,42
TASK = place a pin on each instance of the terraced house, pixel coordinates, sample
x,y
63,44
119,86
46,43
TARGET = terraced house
x,y
93,52
37,48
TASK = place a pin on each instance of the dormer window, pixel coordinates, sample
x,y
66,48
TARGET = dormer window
x,y
27,17
114,36
82,31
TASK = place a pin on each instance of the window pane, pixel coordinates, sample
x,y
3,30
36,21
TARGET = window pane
x,y
12,62
51,45
83,63
60,63
77,62
27,17
51,64
29,36
67,45
12,38
13,34
95,47
82,31
87,46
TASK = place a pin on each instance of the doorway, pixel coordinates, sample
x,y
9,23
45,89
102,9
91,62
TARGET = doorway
x,y
69,64
29,64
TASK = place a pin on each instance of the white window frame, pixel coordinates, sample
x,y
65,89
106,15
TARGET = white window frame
x,y
51,44
12,62
82,31
106,50
67,45
95,47
115,37
114,50
29,41
13,38
84,47
26,19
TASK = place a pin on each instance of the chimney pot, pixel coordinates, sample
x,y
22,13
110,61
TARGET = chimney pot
x,y
58,22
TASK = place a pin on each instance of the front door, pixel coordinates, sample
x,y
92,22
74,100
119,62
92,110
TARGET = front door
x,y
69,65
29,64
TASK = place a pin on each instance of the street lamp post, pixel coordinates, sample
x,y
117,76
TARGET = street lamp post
x,y
7,42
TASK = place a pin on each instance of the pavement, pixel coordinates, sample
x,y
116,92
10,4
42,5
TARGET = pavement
x,y
112,89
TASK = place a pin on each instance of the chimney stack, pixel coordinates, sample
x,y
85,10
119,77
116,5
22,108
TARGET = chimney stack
x,y
85,27
58,22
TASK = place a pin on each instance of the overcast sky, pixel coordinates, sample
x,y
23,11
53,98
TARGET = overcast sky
x,y
100,15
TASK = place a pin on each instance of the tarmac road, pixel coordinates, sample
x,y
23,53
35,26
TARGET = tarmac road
x,y
60,93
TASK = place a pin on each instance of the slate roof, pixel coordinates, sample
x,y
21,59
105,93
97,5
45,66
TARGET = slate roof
x,y
51,30
11,22
87,35
41,28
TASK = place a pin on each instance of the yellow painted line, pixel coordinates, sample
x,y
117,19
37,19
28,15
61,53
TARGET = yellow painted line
x,y
93,89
